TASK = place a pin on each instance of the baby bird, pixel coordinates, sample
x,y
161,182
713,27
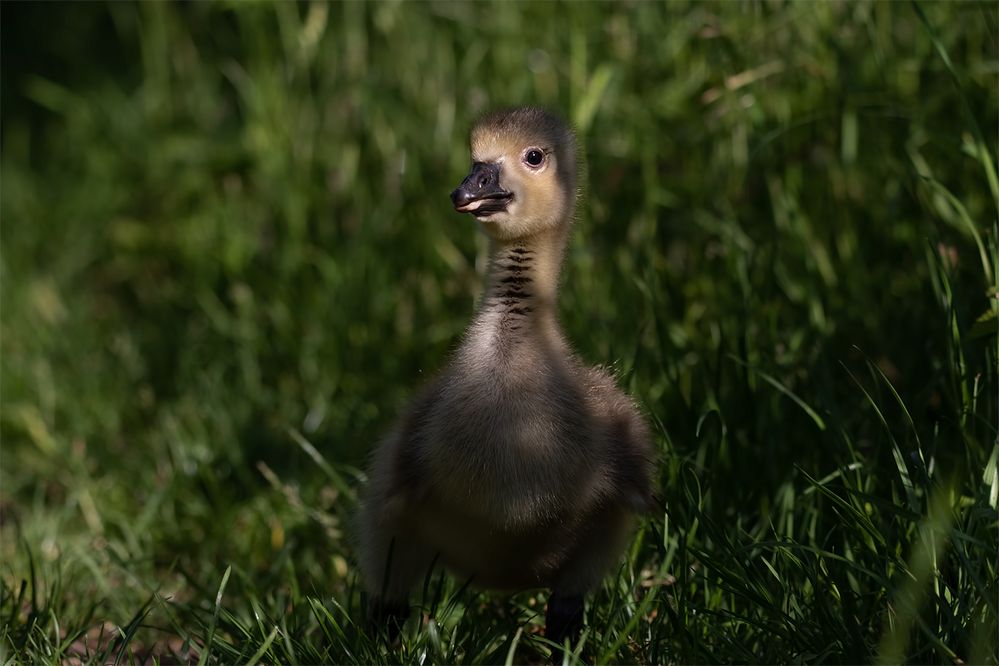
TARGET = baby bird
x,y
517,466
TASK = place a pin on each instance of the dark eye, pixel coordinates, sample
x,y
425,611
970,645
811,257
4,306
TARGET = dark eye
x,y
534,157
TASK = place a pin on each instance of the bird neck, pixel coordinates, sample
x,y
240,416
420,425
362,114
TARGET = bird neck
x,y
522,282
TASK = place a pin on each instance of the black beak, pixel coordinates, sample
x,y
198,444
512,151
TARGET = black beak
x,y
480,193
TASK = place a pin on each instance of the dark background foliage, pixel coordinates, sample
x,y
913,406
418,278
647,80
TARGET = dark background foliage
x,y
228,258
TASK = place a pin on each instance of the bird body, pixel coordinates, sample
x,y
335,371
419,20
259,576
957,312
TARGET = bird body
x,y
517,466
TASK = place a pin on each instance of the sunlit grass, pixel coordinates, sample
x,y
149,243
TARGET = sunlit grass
x,y
228,258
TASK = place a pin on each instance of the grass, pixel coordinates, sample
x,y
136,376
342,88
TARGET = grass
x,y
228,258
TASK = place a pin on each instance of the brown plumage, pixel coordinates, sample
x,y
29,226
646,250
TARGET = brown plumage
x,y
517,466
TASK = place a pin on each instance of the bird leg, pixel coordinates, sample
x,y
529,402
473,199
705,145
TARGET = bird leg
x,y
595,552
387,616
392,566
564,618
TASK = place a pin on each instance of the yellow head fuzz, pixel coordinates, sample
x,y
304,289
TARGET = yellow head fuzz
x,y
544,194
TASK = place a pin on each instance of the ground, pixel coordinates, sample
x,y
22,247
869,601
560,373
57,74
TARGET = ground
x,y
229,257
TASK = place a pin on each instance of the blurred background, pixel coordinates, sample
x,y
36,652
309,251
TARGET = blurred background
x,y
228,257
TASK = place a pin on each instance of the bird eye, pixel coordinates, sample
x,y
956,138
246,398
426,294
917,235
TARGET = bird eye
x,y
534,157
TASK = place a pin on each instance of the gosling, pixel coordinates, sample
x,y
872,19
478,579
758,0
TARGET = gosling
x,y
517,466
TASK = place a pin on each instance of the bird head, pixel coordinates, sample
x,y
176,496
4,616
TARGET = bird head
x,y
523,176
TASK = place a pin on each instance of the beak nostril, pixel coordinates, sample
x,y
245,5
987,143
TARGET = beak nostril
x,y
480,191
